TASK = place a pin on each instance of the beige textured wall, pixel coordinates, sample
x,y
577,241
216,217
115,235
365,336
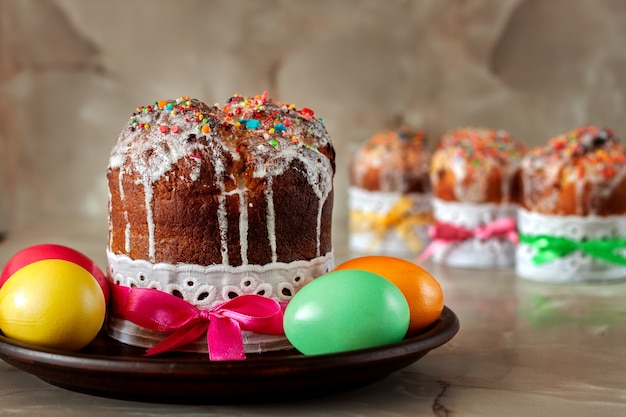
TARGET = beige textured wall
x,y
71,72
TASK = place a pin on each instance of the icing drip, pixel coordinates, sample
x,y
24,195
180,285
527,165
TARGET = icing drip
x,y
127,227
243,226
318,228
149,219
221,212
322,192
271,226
109,221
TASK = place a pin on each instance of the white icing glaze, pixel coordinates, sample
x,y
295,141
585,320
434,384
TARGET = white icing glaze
x,y
148,192
109,221
222,215
127,227
243,226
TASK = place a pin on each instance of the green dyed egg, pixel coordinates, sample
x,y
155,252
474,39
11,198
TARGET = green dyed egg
x,y
346,310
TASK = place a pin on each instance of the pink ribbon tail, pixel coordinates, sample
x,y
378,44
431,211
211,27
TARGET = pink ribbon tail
x,y
442,235
223,323
224,339
434,246
180,337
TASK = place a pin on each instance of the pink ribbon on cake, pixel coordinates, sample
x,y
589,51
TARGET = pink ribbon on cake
x,y
223,323
444,234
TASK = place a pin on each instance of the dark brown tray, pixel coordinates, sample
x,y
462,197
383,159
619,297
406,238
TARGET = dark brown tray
x,y
111,369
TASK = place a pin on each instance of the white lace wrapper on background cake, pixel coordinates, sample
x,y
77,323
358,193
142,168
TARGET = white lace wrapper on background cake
x,y
474,252
576,266
388,222
207,286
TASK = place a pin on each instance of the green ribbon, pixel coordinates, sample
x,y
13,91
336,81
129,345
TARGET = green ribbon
x,y
549,248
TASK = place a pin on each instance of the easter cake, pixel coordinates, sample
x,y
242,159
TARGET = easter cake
x,y
214,203
389,194
474,173
572,218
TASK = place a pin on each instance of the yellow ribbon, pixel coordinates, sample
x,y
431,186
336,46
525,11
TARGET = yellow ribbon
x,y
401,218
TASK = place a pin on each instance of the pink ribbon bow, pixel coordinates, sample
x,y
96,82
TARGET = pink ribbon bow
x,y
443,234
223,323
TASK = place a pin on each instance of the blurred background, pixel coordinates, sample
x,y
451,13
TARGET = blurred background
x,y
72,71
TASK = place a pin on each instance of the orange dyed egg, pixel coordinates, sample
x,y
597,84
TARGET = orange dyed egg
x,y
421,290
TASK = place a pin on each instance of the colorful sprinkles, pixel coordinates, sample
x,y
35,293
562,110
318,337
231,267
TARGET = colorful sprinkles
x,y
190,109
591,151
476,145
276,123
271,118
395,138
481,149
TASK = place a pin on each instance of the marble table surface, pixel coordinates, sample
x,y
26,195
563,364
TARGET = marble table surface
x,y
524,349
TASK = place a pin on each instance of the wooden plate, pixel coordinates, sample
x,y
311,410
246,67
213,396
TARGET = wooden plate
x,y
111,369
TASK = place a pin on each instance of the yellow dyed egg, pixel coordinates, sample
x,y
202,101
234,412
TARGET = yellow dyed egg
x,y
52,303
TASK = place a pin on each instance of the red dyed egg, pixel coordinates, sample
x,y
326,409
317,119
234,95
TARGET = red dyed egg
x,y
52,251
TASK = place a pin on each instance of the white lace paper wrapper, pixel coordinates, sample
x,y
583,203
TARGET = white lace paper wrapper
x,y
473,252
207,286
364,238
577,266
